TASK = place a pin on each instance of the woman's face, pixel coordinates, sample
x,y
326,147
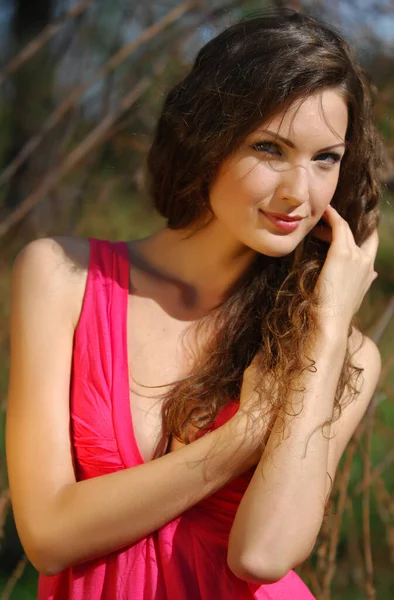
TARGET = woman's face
x,y
289,165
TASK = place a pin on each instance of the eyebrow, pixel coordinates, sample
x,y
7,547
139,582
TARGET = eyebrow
x,y
292,145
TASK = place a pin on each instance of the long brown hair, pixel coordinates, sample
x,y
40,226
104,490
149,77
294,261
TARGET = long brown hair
x,y
252,71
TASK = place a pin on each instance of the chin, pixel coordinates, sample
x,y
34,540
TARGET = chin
x,y
275,254
276,251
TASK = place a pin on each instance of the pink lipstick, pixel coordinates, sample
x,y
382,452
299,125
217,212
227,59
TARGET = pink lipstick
x,y
284,225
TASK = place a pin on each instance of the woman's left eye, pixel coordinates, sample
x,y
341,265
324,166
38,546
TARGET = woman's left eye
x,y
329,158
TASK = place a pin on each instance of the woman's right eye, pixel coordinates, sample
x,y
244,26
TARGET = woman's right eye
x,y
267,148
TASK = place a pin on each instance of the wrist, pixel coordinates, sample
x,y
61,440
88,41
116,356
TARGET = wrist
x,y
246,435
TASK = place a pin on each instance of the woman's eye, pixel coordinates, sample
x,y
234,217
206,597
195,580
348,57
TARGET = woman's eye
x,y
267,148
329,158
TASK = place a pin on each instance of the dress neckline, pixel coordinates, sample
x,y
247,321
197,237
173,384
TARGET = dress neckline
x,y
122,413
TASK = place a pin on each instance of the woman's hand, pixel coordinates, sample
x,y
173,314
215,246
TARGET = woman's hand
x,y
347,273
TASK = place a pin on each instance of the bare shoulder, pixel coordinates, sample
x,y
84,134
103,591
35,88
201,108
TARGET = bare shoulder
x,y
57,264
69,254
365,355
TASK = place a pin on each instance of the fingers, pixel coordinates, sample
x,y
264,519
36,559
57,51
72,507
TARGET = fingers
x,y
338,229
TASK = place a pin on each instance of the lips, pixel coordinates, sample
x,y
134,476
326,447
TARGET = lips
x,y
285,225
287,218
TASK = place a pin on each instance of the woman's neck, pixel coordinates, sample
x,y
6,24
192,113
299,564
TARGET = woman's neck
x,y
203,267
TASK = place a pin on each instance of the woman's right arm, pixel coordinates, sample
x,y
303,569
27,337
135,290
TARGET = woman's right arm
x,y
62,522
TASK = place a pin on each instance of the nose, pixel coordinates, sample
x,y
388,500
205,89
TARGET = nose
x,y
294,185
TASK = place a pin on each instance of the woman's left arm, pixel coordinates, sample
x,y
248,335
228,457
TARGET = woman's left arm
x,y
281,513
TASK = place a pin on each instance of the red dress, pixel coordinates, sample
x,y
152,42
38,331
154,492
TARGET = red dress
x,y
187,558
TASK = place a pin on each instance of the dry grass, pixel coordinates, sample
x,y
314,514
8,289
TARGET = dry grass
x,y
362,476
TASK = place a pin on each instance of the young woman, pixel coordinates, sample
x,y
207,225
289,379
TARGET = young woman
x,y
178,404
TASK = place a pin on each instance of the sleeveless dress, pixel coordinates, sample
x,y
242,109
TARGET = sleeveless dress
x,y
186,559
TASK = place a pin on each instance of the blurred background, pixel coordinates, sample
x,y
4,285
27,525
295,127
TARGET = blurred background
x,y
81,86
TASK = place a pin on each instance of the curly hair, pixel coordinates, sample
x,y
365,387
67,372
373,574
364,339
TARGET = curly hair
x,y
256,69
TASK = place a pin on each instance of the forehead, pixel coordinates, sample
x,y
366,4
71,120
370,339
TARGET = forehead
x,y
323,115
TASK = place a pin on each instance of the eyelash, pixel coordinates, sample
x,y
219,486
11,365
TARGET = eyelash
x,y
262,147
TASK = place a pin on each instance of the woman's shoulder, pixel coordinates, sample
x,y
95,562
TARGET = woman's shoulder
x,y
60,263
362,348
63,252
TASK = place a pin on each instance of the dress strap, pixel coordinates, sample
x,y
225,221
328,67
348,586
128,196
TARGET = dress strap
x,y
102,331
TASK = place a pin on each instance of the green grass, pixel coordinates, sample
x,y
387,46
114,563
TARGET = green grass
x,y
26,588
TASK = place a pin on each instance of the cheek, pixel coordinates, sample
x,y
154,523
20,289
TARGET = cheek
x,y
322,194
242,183
259,183
251,183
